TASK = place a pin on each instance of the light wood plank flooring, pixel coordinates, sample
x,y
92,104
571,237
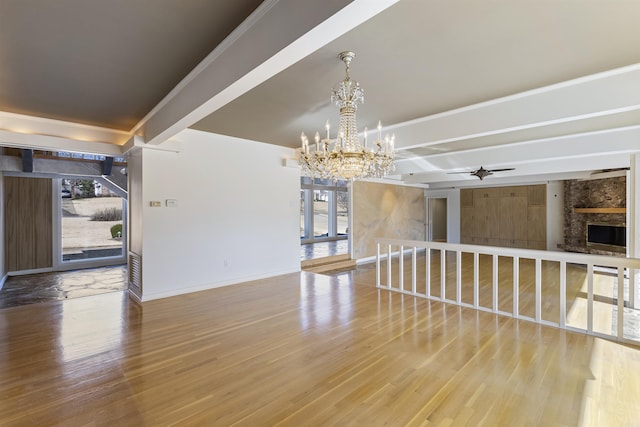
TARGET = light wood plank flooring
x,y
303,350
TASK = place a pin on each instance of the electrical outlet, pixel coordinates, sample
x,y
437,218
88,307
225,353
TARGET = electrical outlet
x,y
155,203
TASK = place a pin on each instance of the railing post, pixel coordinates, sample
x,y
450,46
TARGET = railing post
x,y
443,274
377,264
563,294
413,270
620,333
538,290
494,259
589,298
516,286
476,279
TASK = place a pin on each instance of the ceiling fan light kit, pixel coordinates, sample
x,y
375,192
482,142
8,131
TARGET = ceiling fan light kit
x,y
482,173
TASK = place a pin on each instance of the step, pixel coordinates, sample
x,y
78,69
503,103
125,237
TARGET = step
x,y
347,264
324,260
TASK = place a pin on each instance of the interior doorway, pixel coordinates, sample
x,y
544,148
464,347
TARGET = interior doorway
x,y
437,219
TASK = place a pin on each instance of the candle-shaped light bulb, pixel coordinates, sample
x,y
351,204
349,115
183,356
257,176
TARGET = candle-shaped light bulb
x,y
327,126
302,138
365,137
379,130
393,142
317,137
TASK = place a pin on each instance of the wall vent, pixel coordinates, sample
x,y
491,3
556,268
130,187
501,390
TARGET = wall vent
x,y
135,273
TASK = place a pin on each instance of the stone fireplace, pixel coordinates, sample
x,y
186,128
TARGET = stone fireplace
x,y
595,216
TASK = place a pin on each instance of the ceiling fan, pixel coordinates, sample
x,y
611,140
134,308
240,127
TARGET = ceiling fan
x,y
482,172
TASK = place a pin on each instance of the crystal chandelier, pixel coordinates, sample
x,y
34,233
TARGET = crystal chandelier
x,y
345,157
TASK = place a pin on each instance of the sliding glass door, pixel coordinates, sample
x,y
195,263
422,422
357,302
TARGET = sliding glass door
x,y
92,221
324,210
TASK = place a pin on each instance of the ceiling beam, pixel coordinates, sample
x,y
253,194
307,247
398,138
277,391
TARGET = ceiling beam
x,y
107,166
31,125
56,143
574,101
27,160
275,36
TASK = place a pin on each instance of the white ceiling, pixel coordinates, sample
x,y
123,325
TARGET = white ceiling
x,y
550,87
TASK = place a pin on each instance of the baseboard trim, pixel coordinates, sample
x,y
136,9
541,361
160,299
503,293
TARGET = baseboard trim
x,y
209,286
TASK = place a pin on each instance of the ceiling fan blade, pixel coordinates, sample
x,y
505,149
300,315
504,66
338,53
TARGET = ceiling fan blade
x,y
502,170
451,173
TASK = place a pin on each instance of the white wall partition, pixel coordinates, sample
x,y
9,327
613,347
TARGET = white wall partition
x,y
555,216
579,292
3,272
228,212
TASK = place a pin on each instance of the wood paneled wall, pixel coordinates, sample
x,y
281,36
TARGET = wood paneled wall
x,y
28,223
513,217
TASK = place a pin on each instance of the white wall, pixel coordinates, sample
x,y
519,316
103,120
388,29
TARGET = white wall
x,y
3,272
453,211
555,216
237,216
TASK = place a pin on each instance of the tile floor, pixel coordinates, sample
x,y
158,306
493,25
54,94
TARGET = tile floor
x,y
57,286
323,249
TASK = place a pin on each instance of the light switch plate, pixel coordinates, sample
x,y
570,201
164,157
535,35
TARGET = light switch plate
x,y
155,203
171,203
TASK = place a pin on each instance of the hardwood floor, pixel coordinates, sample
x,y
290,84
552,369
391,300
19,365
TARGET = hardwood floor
x,y
303,349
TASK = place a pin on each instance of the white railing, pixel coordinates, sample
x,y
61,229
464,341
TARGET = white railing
x,y
585,270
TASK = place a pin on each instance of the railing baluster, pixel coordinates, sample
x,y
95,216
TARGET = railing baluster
x,y
401,268
476,279
458,277
389,266
620,333
413,270
538,290
443,274
589,298
633,282
428,273
563,294
494,269
516,286
378,265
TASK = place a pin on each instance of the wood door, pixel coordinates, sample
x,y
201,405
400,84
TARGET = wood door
x,y
466,198
537,195
28,223
466,224
537,223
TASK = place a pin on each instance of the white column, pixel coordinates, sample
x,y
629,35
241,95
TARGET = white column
x,y
633,225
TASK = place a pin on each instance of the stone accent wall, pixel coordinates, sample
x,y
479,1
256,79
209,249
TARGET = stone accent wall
x,y
596,193
385,210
